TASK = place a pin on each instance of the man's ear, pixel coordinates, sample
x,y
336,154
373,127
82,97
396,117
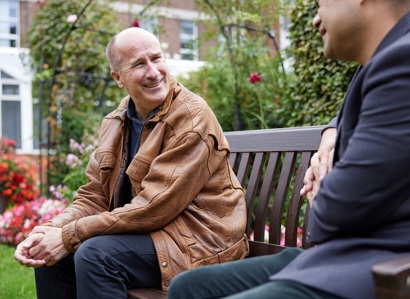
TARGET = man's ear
x,y
116,78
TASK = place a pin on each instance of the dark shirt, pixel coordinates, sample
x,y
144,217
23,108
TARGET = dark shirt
x,y
135,128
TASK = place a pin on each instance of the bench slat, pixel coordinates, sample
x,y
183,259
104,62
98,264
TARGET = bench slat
x,y
252,186
264,196
280,198
296,203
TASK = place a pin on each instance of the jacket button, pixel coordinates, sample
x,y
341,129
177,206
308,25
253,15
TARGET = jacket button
x,y
164,264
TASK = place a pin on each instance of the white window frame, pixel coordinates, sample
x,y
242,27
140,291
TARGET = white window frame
x,y
8,97
191,37
13,66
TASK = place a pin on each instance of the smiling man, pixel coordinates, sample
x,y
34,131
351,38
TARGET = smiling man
x,y
360,210
161,197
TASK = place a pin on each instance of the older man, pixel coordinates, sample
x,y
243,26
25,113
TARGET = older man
x,y
161,197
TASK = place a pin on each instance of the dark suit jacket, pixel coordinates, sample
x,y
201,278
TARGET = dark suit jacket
x,y
361,214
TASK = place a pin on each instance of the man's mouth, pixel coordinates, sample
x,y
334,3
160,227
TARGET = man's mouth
x,y
152,85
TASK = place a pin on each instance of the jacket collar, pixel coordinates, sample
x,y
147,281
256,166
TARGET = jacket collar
x,y
401,28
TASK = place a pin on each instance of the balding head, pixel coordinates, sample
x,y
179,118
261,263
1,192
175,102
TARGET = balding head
x,y
123,40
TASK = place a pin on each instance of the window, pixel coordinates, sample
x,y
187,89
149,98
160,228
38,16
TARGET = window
x,y
10,89
10,107
11,121
9,30
188,38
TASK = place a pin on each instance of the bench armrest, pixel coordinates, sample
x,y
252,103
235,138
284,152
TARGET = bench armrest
x,y
392,278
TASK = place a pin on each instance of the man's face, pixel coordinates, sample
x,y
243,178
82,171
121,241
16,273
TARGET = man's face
x,y
339,23
143,72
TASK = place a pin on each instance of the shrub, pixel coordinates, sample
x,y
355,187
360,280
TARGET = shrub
x,y
17,183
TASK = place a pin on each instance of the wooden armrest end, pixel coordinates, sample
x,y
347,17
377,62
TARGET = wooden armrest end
x,y
146,294
392,278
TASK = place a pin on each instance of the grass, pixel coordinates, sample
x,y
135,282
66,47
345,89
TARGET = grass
x,y
16,281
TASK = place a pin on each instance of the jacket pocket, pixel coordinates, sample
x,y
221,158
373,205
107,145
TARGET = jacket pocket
x,y
138,169
107,164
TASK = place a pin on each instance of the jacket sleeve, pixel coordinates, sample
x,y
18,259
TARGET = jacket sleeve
x,y
367,192
89,199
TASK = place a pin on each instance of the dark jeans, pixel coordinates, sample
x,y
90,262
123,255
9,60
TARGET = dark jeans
x,y
102,267
247,278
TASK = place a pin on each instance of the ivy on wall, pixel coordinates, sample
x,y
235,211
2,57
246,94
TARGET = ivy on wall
x,y
318,91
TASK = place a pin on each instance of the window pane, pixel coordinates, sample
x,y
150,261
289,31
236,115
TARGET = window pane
x,y
8,27
11,89
187,27
8,8
5,75
187,44
7,42
187,56
11,121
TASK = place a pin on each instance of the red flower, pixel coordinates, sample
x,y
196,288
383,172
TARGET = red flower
x,y
41,3
17,178
254,78
135,23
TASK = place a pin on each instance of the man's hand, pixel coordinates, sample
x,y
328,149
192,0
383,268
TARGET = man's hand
x,y
22,254
43,246
51,249
320,164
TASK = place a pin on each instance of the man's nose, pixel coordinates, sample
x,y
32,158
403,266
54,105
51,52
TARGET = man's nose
x,y
316,21
151,69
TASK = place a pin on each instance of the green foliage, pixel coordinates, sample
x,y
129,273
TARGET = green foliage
x,y
242,51
16,281
78,126
78,160
259,101
71,66
310,93
84,49
316,95
71,57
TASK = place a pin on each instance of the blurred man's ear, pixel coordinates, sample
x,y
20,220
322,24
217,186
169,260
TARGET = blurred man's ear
x,y
116,78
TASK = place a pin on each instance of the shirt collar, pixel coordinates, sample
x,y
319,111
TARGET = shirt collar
x,y
132,112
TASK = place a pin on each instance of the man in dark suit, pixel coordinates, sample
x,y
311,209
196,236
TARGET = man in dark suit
x,y
360,210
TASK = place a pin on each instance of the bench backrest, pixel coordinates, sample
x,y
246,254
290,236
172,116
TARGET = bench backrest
x,y
270,164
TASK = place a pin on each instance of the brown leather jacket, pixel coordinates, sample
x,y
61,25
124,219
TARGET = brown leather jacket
x,y
185,193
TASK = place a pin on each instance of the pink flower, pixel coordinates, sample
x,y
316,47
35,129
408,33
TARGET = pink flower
x,y
72,18
254,78
72,160
18,222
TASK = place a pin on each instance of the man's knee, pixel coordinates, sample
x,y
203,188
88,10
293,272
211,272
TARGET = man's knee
x,y
178,288
89,252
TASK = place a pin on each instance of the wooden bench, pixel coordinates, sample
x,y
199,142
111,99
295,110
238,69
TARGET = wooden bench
x,y
270,164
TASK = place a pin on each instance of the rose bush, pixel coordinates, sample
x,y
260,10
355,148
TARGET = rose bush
x,y
17,178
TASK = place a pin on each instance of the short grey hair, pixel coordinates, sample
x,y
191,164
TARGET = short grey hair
x,y
114,60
